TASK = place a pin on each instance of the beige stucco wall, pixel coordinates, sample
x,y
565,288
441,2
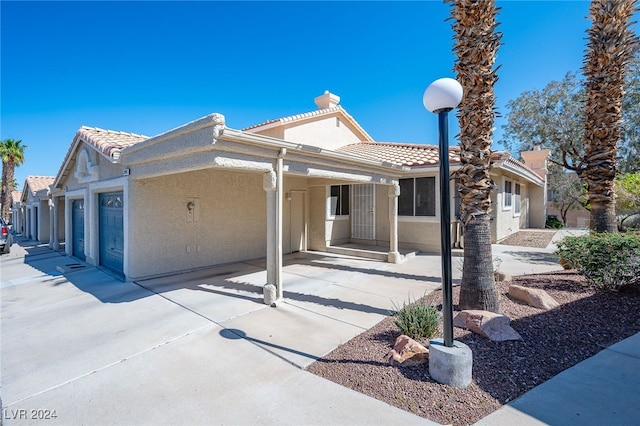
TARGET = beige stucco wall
x,y
328,133
382,215
227,225
317,217
299,185
505,221
274,132
106,169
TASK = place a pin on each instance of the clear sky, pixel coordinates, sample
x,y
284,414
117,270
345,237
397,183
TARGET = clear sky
x,y
147,67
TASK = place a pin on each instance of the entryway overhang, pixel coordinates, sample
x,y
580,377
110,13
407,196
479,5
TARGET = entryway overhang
x,y
207,144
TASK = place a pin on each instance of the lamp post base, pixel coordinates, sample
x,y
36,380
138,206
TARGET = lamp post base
x,y
450,365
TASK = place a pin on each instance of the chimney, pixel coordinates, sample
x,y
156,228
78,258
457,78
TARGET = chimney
x,y
536,160
327,100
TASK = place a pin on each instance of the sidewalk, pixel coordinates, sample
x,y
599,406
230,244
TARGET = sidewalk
x,y
601,390
202,348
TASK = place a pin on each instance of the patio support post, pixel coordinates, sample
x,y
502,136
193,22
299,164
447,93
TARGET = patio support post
x,y
269,184
279,209
53,224
394,254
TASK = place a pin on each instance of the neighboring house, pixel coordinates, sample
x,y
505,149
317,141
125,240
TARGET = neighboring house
x,y
204,194
35,206
17,212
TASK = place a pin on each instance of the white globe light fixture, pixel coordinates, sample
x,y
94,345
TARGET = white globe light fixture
x,y
442,94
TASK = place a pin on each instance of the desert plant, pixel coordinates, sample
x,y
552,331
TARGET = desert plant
x,y
553,222
609,261
417,319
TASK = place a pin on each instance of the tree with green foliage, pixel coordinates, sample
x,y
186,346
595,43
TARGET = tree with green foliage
x,y
553,118
628,201
12,153
549,118
565,191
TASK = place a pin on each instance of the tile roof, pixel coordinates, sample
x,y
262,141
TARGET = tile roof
x,y
108,141
38,183
404,154
306,115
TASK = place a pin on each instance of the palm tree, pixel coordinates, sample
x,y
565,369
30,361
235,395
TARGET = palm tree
x,y
12,152
476,46
609,51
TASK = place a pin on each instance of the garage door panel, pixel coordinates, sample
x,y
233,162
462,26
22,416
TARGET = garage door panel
x,y
112,231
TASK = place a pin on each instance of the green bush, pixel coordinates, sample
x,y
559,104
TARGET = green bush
x,y
417,319
609,261
553,222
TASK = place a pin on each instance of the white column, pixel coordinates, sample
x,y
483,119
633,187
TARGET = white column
x,y
270,290
53,226
394,254
33,227
279,209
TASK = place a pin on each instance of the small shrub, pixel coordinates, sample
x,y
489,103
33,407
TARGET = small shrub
x,y
417,319
553,222
609,261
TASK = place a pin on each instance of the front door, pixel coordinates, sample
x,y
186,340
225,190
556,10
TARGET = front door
x,y
297,231
112,232
77,228
363,212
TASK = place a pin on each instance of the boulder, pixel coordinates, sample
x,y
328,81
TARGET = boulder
x,y
407,352
535,297
502,276
495,327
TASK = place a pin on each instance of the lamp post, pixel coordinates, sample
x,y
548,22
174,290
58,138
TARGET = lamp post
x,y
450,362
442,96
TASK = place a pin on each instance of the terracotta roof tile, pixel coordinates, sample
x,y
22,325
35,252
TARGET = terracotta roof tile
x,y
411,155
108,141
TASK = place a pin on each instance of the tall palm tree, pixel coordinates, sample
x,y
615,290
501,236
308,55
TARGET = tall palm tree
x,y
609,51
476,46
12,153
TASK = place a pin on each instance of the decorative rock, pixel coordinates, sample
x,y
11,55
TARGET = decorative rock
x,y
488,324
407,352
535,297
502,276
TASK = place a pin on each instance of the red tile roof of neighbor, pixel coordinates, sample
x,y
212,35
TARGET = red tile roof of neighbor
x,y
38,183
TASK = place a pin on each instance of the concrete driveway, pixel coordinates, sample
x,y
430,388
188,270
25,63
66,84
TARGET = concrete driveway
x,y
195,348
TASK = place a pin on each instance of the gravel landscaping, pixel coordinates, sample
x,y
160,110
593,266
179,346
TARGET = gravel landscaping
x,y
585,322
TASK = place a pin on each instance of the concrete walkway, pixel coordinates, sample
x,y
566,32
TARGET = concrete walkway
x,y
202,348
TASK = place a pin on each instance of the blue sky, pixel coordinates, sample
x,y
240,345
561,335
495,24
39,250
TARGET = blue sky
x,y
146,67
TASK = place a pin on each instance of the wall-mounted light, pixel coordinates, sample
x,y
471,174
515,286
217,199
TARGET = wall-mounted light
x,y
288,196
191,206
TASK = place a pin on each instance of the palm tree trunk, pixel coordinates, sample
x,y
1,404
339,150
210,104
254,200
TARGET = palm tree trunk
x,y
476,47
609,51
7,187
478,291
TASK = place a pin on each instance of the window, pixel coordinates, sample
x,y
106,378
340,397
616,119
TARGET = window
x,y
339,200
516,201
417,197
507,195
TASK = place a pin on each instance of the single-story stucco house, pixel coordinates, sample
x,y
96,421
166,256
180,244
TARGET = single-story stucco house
x,y
204,194
31,209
